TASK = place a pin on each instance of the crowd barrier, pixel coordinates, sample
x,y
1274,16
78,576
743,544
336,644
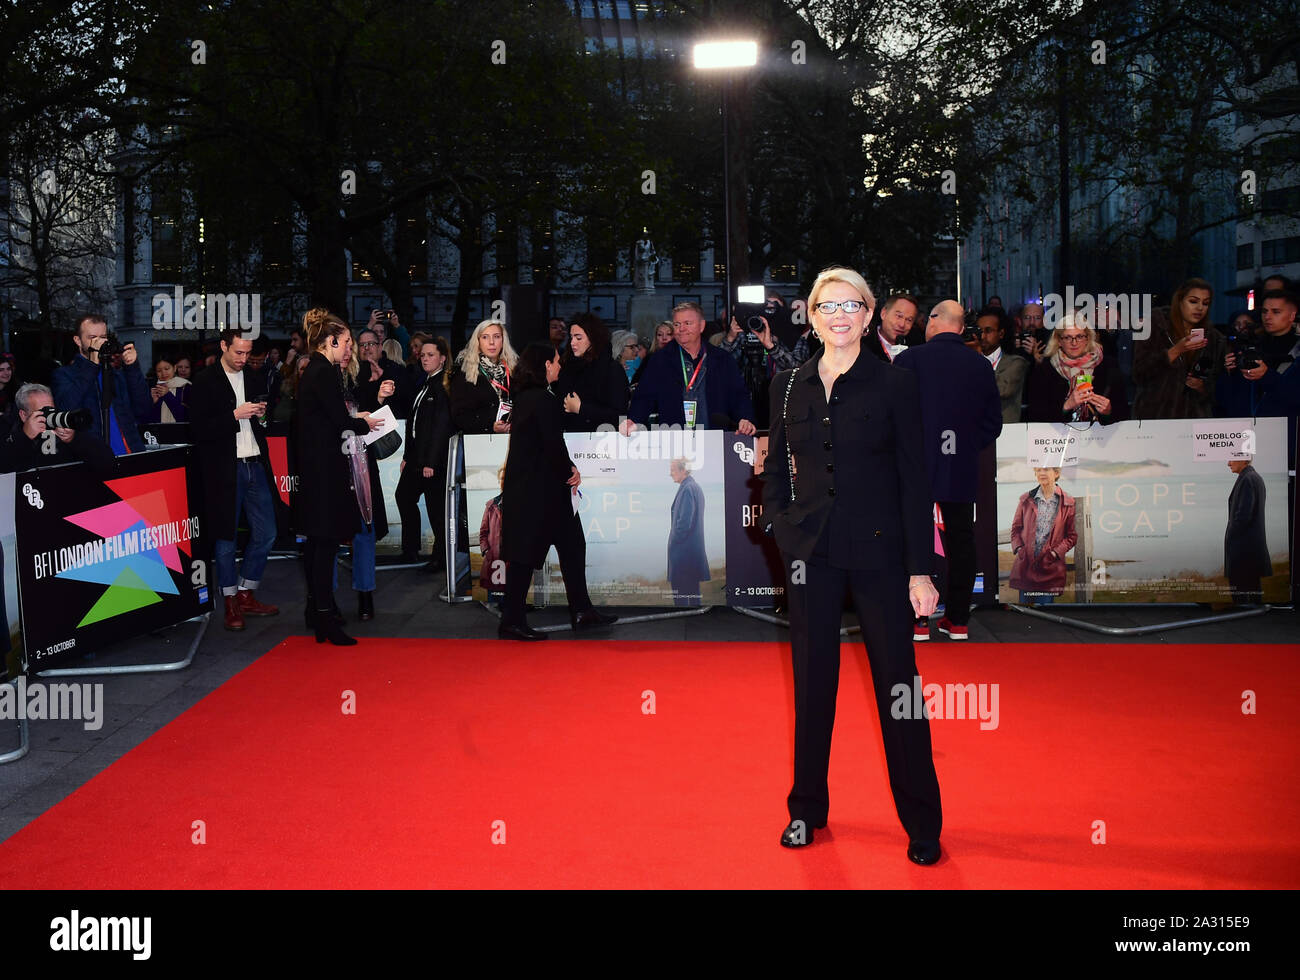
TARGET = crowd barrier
x,y
1150,501
91,561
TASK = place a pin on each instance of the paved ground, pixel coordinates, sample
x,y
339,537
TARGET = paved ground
x,y
64,755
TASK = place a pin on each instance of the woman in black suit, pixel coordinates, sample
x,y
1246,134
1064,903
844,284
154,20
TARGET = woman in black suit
x,y
847,496
592,385
424,456
325,509
537,508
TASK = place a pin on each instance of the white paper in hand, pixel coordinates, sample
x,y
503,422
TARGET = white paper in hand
x,y
390,425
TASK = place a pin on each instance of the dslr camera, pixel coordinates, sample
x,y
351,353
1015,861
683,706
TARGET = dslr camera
x,y
109,348
1245,350
78,419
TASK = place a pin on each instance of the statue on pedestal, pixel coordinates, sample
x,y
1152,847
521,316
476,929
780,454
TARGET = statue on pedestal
x,y
645,263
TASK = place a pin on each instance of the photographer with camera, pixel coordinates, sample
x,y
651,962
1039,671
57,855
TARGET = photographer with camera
x,y
117,399
759,353
387,326
1259,369
44,436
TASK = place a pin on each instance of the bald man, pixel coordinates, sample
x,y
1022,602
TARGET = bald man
x,y
961,413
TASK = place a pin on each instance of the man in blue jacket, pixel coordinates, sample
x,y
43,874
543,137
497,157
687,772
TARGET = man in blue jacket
x,y
81,385
961,413
690,383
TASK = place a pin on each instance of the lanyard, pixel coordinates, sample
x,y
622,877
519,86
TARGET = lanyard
x,y
691,383
503,390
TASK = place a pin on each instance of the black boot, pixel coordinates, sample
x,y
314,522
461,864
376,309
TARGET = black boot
x,y
365,606
309,613
327,629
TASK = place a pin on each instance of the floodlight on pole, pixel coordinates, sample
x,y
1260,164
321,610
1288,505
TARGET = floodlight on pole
x,y
729,55
726,54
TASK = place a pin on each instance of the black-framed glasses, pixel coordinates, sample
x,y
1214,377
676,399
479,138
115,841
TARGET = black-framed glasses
x,y
848,306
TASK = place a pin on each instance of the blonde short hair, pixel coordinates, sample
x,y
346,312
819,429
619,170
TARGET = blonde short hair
x,y
838,273
1076,320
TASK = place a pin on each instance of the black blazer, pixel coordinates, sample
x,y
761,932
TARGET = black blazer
x,y
428,427
860,468
213,431
1047,392
602,386
325,505
473,406
535,495
961,412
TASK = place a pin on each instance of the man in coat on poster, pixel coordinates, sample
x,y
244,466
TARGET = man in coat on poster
x,y
1245,542
688,565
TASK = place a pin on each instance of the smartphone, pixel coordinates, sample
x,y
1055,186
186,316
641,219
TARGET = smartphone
x,y
1197,334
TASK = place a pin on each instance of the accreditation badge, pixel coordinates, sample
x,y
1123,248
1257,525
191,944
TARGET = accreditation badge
x,y
688,412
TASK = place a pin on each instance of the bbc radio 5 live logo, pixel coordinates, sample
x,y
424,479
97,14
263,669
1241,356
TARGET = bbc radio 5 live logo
x,y
212,312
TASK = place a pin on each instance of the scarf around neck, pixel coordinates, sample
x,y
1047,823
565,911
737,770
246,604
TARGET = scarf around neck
x,y
1071,367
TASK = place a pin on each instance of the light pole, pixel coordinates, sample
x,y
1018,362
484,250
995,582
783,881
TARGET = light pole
x,y
727,55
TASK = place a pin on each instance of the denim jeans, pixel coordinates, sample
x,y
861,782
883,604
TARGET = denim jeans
x,y
253,500
363,562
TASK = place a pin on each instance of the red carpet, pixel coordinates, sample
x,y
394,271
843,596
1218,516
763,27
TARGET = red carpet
x,y
451,736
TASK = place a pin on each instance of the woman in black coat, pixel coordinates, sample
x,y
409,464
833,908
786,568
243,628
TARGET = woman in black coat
x,y
424,456
1052,392
325,508
480,383
537,508
594,388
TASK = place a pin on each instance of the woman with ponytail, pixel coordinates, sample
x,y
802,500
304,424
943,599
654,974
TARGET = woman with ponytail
x,y
326,510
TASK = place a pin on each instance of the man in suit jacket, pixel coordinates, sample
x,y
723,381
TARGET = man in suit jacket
x,y
1245,543
230,449
689,373
688,565
896,330
1009,371
961,413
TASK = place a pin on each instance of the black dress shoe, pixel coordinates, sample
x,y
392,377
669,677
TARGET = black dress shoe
x,y
923,851
591,619
365,606
799,833
507,632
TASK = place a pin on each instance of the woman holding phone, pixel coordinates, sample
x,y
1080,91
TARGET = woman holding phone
x,y
845,493
1075,381
1174,366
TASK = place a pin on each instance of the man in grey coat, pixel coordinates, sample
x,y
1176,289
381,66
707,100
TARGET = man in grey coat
x,y
1245,544
688,565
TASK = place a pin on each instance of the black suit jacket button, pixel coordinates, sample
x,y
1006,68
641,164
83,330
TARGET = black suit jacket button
x,y
826,444
835,399
878,533
826,421
830,467
830,491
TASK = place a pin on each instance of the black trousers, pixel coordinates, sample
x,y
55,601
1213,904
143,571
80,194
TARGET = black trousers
x,y
571,545
959,546
318,562
410,488
885,613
